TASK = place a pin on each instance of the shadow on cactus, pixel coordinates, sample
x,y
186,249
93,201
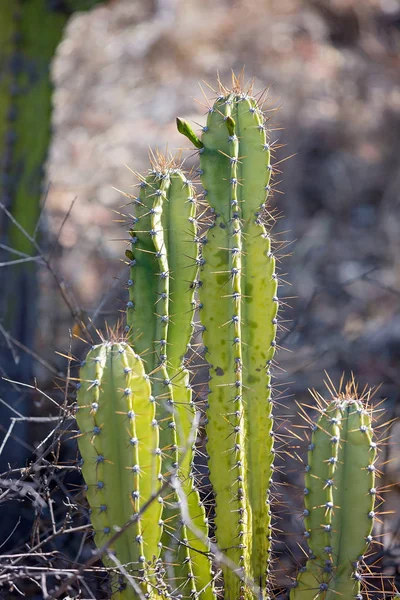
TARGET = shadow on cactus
x,y
203,284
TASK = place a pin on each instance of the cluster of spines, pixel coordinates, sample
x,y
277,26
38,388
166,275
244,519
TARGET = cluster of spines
x,y
339,498
121,459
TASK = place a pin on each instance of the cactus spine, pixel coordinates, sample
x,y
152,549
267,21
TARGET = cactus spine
x,y
121,460
339,498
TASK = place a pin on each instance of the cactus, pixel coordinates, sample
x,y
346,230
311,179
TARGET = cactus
x,y
339,498
239,286
220,261
163,268
121,471
29,35
30,31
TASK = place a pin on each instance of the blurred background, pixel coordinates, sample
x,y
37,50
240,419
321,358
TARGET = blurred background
x,y
122,73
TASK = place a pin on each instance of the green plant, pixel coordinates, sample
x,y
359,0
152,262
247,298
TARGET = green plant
x,y
217,259
240,305
339,497
30,31
164,262
121,471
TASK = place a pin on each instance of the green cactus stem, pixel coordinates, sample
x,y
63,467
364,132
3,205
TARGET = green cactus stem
x,y
149,301
339,498
118,442
239,297
29,35
164,264
30,31
179,240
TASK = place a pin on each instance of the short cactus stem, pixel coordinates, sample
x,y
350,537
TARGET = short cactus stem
x,y
118,442
340,499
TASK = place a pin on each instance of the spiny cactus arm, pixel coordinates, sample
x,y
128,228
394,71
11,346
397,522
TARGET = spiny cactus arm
x,y
220,297
160,182
259,312
174,226
177,222
354,497
121,464
342,449
236,174
162,384
144,275
318,501
147,309
179,229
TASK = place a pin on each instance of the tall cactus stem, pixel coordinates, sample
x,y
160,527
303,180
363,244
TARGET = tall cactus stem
x,y
240,298
221,317
165,231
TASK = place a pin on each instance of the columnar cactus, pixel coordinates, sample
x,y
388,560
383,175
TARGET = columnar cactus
x,y
339,498
239,309
29,35
226,269
163,267
119,443
30,31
